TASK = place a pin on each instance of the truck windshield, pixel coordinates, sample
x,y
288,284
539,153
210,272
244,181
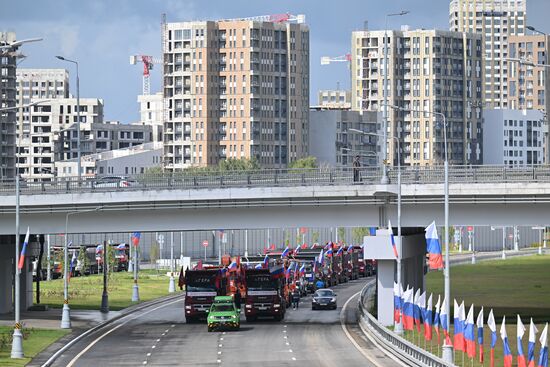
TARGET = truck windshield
x,y
202,284
260,282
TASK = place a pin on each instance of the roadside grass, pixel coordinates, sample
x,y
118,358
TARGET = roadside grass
x,y
510,287
34,341
85,292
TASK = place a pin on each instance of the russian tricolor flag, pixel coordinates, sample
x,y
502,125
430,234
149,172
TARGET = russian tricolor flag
x,y
329,252
469,334
479,324
277,271
520,332
285,252
416,310
136,236
437,321
258,266
506,347
232,266
122,246
350,248
435,260
302,269
23,250
321,258
340,251
408,310
266,262
392,239
444,319
396,303
493,327
543,358
531,346
459,326
428,320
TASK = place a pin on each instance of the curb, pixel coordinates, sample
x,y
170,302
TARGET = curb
x,y
100,326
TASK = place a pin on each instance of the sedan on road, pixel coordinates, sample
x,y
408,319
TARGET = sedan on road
x,y
223,315
114,181
323,298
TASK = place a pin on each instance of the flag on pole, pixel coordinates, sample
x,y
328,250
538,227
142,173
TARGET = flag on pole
x,y
459,330
265,263
340,251
493,327
435,260
479,324
543,357
422,307
469,333
531,347
408,310
428,320
72,264
396,303
23,250
321,258
444,317
437,318
136,236
392,239
520,332
417,310
285,252
506,346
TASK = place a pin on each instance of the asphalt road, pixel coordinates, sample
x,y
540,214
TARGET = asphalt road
x,y
159,336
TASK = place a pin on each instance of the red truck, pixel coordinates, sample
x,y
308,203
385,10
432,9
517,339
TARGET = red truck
x,y
264,295
201,286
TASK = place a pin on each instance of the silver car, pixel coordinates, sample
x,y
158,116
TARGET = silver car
x,y
114,181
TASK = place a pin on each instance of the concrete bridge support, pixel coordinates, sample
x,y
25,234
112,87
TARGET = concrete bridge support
x,y
413,259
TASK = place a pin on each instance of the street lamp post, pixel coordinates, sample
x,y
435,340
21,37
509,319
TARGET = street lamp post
x,y
172,284
66,314
78,153
398,327
385,180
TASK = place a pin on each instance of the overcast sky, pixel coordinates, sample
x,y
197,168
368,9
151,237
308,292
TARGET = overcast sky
x,y
102,34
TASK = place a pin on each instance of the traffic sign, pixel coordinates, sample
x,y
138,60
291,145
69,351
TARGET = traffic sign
x,y
303,230
470,229
510,235
205,243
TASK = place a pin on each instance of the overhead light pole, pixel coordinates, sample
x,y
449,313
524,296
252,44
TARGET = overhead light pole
x,y
398,327
66,313
78,153
385,180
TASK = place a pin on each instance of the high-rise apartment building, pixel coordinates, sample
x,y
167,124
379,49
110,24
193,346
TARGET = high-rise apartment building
x,y
428,70
8,100
235,89
151,113
334,99
497,21
527,85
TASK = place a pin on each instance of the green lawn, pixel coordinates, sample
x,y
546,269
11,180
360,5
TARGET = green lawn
x,y
85,292
35,340
510,287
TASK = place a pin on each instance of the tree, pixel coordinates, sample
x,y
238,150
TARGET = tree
x,y
358,233
315,237
307,162
84,260
239,165
154,254
341,234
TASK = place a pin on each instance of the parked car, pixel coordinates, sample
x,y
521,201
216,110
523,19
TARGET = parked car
x,y
323,298
223,314
114,181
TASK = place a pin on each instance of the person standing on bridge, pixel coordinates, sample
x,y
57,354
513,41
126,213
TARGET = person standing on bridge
x,y
356,169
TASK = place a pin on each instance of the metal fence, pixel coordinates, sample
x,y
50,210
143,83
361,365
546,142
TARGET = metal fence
x,y
392,343
282,178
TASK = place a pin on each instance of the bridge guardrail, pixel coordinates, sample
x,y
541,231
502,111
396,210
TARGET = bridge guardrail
x,y
400,348
284,178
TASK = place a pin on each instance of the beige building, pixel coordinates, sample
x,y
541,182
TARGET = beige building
x,y
235,89
8,100
497,21
527,85
334,99
429,70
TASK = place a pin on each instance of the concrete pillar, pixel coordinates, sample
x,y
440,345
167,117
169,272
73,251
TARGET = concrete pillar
x,y
385,277
6,273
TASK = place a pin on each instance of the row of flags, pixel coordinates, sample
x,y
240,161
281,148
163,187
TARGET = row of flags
x,y
413,310
328,250
433,246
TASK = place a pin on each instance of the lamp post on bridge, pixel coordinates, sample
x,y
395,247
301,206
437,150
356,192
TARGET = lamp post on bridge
x,y
398,325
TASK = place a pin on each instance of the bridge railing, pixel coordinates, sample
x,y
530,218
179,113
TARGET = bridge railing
x,y
405,351
282,177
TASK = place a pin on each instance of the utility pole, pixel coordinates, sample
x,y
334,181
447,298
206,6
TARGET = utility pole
x,y
105,296
172,285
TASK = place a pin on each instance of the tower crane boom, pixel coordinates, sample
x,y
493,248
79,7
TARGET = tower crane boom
x,y
148,62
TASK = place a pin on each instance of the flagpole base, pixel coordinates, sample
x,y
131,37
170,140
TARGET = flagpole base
x,y
17,344
172,285
473,259
135,293
540,250
66,317
503,255
398,328
448,354
130,267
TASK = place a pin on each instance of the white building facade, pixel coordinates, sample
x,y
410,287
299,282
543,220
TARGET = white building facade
x,y
151,113
514,137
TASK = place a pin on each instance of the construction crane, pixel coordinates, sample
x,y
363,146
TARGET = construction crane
x,y
326,60
275,18
148,62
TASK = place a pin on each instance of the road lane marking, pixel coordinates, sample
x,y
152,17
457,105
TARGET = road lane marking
x,y
293,358
95,341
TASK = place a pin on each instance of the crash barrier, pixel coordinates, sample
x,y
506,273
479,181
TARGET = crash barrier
x,y
391,343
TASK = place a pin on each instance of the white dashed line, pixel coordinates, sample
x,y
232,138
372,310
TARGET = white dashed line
x,y
148,354
172,325
153,347
220,352
219,361
287,343
220,345
144,362
285,337
158,340
293,358
284,331
221,338
290,350
167,330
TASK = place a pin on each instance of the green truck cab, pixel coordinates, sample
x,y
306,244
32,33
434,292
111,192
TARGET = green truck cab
x,y
223,314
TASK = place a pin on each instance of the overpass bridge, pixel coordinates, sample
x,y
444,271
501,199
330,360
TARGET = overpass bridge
x,y
479,195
